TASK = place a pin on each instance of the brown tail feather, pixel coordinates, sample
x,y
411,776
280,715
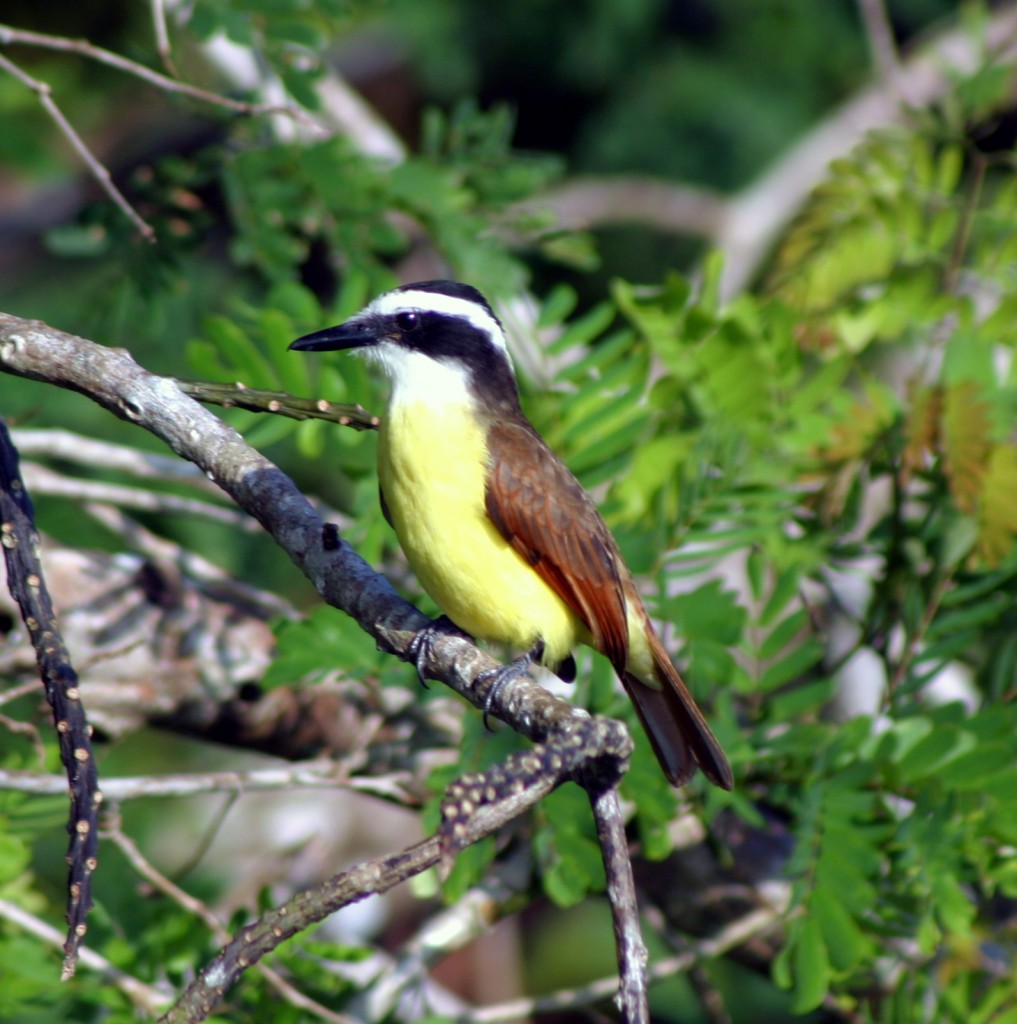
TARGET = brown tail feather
x,y
679,734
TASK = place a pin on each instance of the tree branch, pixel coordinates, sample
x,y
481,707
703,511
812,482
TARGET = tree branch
x,y
621,890
325,773
114,380
27,585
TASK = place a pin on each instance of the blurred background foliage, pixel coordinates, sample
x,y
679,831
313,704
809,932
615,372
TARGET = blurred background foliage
x,y
816,475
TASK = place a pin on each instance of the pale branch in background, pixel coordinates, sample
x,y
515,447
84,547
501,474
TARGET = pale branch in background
x,y
449,929
148,999
324,773
745,226
882,45
737,933
162,43
91,452
41,480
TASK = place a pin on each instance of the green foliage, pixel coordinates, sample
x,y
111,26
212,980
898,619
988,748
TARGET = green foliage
x,y
566,848
291,34
768,440
319,645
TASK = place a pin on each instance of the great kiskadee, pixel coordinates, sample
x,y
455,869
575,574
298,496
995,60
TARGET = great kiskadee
x,y
498,531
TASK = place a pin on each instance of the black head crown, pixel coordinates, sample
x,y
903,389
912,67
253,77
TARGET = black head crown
x,y
455,290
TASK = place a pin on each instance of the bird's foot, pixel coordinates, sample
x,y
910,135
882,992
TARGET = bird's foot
x,y
421,646
500,677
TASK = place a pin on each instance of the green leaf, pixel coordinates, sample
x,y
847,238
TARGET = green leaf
x,y
325,642
470,867
15,856
812,972
572,864
783,633
801,700
785,589
710,612
793,666
557,306
953,907
974,768
929,754
841,935
581,332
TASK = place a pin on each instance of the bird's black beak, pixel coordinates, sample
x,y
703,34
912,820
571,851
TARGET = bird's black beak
x,y
354,333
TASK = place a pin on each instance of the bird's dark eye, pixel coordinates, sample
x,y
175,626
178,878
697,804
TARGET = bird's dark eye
x,y
407,322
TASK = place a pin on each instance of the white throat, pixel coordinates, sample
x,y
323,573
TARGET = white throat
x,y
417,379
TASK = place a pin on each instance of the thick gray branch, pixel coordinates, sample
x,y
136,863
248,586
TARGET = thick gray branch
x,y
112,378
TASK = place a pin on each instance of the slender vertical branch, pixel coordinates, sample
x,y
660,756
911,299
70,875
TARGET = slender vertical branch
x,y
162,43
28,588
621,894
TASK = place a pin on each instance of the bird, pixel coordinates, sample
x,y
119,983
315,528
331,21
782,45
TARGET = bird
x,y
496,528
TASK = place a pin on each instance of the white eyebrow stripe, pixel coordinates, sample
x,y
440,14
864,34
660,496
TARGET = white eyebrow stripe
x,y
435,302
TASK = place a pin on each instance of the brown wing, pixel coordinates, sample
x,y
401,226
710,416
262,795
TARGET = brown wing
x,y
543,512
540,508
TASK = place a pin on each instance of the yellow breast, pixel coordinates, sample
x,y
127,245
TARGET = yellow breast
x,y
432,462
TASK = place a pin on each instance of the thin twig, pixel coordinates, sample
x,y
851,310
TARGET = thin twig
x,y
9,34
495,798
280,403
31,733
145,997
257,939
162,43
21,690
113,832
447,930
370,878
99,171
740,931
